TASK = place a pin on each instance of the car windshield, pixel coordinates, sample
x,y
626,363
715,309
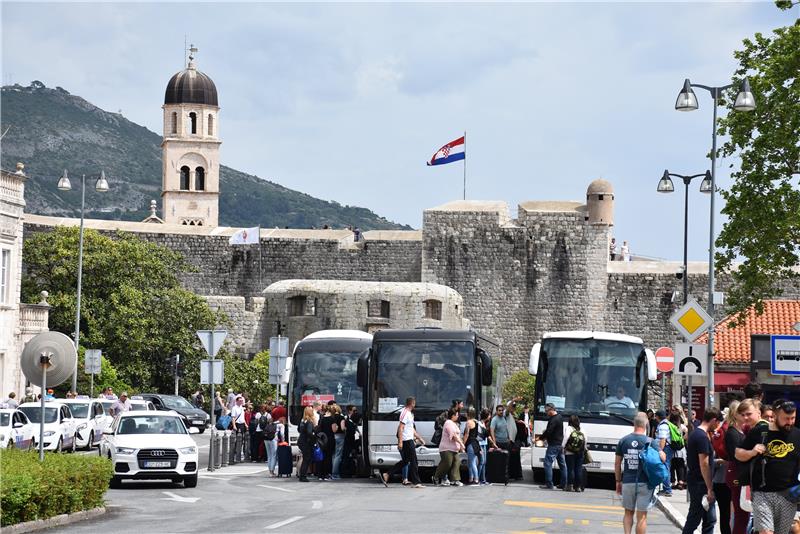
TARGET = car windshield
x,y
434,372
107,405
146,424
138,405
34,413
324,376
176,403
5,418
590,376
79,411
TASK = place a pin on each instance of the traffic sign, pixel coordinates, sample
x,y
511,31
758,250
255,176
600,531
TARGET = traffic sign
x,y
212,371
785,355
665,359
212,340
91,361
691,320
691,359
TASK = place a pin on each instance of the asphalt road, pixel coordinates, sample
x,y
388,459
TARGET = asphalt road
x,y
244,498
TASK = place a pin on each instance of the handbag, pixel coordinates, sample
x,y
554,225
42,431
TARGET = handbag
x,y
316,454
587,458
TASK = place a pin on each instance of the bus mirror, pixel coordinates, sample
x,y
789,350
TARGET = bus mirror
x,y
533,362
486,367
652,369
363,367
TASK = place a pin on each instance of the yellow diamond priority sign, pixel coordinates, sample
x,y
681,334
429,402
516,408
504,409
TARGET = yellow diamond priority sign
x,y
691,320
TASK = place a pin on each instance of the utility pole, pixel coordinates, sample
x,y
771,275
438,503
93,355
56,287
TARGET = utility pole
x,y
177,366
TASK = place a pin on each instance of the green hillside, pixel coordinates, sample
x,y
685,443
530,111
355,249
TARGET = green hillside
x,y
50,130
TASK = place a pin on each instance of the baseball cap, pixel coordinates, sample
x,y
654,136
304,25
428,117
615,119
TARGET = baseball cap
x,y
660,413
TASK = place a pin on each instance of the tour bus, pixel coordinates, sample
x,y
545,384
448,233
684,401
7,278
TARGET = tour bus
x,y
600,377
323,368
435,366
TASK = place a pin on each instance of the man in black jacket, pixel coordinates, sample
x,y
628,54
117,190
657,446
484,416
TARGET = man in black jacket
x,y
554,435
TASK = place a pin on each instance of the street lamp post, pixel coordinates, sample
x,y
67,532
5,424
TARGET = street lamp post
x,y
665,186
101,186
687,101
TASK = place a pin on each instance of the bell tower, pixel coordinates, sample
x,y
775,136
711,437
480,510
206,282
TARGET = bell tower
x,y
190,149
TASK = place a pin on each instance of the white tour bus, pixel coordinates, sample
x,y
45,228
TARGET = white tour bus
x,y
600,377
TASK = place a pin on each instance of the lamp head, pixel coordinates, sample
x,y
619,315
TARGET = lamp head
x,y
101,186
63,182
745,100
687,100
665,184
705,185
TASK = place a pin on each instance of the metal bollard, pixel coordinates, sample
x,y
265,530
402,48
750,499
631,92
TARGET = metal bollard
x,y
236,451
212,450
218,452
226,442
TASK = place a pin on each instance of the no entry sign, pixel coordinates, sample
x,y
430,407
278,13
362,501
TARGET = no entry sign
x,y
665,359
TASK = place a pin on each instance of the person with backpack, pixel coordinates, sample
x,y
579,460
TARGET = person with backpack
x,y
338,440
269,432
677,466
574,448
700,461
632,482
670,440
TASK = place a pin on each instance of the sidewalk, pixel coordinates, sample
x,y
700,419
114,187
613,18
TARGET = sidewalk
x,y
677,507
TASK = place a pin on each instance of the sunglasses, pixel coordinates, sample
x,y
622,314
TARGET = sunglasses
x,y
785,406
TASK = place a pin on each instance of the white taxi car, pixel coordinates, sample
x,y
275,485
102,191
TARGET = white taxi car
x,y
59,426
90,420
16,432
150,445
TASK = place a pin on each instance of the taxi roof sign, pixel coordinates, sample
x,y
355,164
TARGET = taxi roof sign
x,y
691,320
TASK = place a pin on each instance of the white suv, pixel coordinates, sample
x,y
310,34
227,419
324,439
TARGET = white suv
x,y
150,445
59,426
90,420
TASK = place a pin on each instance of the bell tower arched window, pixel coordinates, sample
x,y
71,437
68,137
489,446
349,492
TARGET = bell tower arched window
x,y
193,120
174,122
199,179
184,178
210,124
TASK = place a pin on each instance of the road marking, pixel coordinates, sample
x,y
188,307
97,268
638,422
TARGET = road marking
x,y
572,521
177,498
284,522
316,505
571,507
615,524
541,520
286,490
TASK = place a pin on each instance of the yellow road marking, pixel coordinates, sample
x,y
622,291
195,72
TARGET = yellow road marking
x,y
572,521
543,520
573,507
616,524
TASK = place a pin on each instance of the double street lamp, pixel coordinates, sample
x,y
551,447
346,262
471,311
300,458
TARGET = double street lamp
x,y
665,185
687,101
101,186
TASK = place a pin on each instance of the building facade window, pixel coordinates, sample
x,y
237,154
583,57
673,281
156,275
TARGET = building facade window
x,y
5,276
199,179
301,305
174,122
184,178
378,308
210,124
433,309
193,120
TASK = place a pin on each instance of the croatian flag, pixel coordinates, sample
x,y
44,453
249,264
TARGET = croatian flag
x,y
452,151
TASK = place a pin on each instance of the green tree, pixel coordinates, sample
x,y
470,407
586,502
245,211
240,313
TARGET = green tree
x,y
248,376
520,385
132,305
107,378
763,204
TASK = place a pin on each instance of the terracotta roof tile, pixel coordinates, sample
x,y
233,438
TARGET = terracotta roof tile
x,y
732,345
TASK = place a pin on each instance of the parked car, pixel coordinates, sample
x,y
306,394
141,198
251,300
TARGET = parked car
x,y
16,431
59,426
151,445
90,420
138,404
193,417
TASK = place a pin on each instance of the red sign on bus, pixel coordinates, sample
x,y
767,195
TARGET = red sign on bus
x,y
308,400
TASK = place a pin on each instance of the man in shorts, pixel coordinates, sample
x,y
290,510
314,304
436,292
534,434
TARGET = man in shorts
x,y
630,476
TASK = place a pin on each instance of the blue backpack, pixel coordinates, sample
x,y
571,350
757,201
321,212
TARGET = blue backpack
x,y
655,470
223,422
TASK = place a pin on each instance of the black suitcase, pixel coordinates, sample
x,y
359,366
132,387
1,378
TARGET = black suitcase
x,y
497,467
515,463
285,464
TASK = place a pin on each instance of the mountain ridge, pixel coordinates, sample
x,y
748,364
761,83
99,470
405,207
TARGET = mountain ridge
x,y
50,129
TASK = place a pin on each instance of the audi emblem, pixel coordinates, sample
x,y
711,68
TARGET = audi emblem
x,y
157,453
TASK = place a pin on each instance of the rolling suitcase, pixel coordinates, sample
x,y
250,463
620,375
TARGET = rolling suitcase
x,y
515,463
497,467
285,464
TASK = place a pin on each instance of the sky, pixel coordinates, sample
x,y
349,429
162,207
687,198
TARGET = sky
x,y
347,102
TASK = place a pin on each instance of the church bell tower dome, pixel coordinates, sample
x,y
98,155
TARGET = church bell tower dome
x,y
190,86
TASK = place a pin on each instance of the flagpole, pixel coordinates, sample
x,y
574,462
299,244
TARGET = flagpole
x,y
465,165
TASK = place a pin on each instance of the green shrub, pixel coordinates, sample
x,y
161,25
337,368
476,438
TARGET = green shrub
x,y
62,484
520,385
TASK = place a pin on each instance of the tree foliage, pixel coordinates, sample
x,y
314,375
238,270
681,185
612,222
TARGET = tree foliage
x,y
132,306
520,385
250,377
763,204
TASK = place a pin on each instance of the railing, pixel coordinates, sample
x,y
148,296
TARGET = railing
x,y
11,187
33,318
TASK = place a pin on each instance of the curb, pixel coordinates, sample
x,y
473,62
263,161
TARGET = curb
x,y
55,521
677,518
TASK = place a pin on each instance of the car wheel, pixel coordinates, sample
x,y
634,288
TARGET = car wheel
x,y
32,445
115,483
10,444
74,443
190,481
60,446
201,429
90,443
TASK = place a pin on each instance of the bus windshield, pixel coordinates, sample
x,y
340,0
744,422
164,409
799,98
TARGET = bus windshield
x,y
324,376
591,377
434,372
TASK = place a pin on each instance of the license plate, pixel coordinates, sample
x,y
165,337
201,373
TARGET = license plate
x,y
156,464
425,463
197,422
593,465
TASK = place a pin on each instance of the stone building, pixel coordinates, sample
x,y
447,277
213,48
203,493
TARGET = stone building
x,y
18,322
